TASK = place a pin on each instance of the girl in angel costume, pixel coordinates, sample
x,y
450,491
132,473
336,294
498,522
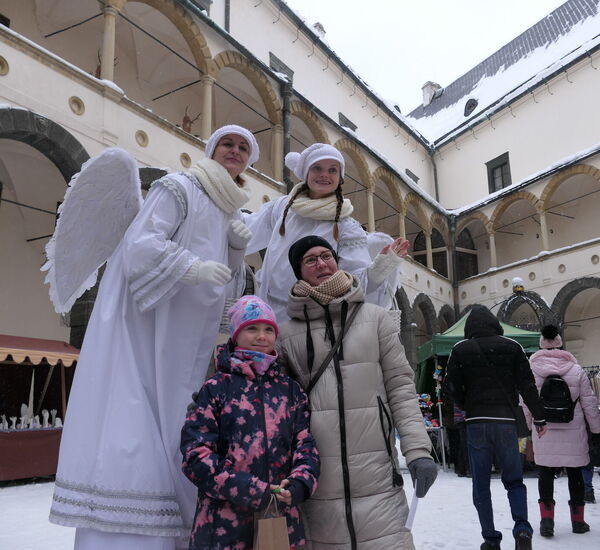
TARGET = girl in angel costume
x,y
316,206
147,348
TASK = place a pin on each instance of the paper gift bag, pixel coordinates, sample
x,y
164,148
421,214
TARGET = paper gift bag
x,y
270,529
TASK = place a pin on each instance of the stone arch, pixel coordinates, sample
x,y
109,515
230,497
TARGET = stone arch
x,y
417,202
388,179
424,303
463,223
503,206
561,177
354,152
446,315
45,135
188,28
440,222
533,299
567,293
234,60
299,109
408,326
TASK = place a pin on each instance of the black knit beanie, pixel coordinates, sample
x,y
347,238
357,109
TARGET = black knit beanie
x,y
301,246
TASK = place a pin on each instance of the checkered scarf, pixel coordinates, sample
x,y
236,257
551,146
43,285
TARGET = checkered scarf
x,y
337,285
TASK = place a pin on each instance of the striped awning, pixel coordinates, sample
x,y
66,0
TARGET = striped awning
x,y
20,349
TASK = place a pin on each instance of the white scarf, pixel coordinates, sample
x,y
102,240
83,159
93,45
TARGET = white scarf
x,y
219,185
319,209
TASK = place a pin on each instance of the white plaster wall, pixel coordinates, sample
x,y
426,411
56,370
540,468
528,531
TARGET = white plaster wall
x,y
540,134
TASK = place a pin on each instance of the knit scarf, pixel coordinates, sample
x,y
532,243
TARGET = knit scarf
x,y
219,185
260,362
337,285
319,209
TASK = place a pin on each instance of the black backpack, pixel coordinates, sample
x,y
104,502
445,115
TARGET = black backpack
x,y
556,397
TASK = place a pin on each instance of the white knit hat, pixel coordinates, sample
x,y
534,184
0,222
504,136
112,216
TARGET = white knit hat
x,y
299,163
213,140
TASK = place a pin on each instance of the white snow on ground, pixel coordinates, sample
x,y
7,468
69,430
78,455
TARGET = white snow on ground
x,y
445,518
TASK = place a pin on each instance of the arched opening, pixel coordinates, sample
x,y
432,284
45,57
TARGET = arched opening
x,y
438,248
581,325
517,231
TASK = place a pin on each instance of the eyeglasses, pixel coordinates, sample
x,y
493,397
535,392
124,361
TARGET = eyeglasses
x,y
311,261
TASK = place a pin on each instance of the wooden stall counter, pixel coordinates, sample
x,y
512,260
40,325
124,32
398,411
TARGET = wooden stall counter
x,y
29,453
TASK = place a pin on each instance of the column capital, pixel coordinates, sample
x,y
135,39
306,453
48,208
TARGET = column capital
x,y
206,79
113,6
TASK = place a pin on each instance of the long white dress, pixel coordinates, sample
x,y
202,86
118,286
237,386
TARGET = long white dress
x,y
147,347
276,277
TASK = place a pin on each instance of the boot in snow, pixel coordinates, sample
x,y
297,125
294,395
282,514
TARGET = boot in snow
x,y
579,526
523,541
547,515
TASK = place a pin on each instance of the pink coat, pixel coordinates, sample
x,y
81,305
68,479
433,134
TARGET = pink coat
x,y
565,444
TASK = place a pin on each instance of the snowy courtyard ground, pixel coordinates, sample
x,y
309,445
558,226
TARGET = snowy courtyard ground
x,y
445,519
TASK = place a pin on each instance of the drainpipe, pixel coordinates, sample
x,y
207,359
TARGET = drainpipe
x,y
454,264
227,14
435,174
286,95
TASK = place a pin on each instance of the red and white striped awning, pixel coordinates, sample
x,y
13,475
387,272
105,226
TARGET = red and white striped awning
x,y
20,349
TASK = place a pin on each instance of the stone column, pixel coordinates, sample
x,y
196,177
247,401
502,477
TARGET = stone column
x,y
428,249
206,92
544,231
401,225
277,151
111,10
493,258
370,211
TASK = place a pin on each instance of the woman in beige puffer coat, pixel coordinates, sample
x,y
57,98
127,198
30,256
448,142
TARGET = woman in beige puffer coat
x,y
355,407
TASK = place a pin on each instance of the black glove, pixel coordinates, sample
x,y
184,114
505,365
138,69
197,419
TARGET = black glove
x,y
192,406
423,472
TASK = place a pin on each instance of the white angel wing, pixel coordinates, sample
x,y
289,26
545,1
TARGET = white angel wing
x,y
100,203
376,241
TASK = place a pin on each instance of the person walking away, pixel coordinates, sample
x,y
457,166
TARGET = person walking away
x,y
347,355
147,347
316,206
485,374
248,437
570,404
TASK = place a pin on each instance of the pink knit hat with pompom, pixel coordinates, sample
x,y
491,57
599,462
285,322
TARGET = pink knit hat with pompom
x,y
550,338
249,310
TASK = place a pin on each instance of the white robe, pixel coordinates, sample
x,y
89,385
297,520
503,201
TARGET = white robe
x,y
276,277
147,348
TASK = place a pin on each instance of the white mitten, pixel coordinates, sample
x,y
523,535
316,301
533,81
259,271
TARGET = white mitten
x,y
238,234
207,272
382,267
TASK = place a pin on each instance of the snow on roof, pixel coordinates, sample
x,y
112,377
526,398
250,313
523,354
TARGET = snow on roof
x,y
566,34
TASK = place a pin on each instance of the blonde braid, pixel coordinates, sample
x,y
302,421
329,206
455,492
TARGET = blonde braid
x,y
340,201
303,188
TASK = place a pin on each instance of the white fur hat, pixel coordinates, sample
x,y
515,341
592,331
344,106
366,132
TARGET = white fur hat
x,y
213,140
299,163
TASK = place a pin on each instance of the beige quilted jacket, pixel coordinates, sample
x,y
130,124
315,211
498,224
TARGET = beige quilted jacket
x,y
356,505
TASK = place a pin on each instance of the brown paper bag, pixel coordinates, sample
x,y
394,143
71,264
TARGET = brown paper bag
x,y
270,529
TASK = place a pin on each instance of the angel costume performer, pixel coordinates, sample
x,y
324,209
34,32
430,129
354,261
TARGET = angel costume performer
x,y
147,347
357,250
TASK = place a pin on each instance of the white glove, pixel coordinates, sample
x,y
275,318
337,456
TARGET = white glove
x,y
207,272
382,267
238,234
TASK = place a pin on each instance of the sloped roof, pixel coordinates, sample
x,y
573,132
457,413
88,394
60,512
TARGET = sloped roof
x,y
560,34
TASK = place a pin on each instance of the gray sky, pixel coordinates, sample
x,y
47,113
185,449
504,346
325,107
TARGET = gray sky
x,y
398,45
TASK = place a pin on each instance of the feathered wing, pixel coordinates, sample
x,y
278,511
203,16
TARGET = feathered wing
x,y
100,203
376,241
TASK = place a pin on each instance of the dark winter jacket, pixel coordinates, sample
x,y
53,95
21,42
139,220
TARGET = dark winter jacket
x,y
474,386
247,432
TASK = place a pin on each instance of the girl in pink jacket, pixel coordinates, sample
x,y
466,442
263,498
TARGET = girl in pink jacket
x,y
565,444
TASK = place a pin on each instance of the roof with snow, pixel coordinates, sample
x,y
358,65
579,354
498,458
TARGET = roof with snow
x,y
568,33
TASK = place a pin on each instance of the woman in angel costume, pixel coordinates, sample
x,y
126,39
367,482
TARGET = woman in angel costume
x,y
316,206
149,340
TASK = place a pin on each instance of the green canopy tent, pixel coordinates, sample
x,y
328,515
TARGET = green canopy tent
x,y
435,353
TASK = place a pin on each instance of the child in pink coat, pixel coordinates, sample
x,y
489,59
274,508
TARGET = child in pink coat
x,y
565,444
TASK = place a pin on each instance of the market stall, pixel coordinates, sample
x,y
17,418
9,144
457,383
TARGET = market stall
x,y
432,358
35,378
